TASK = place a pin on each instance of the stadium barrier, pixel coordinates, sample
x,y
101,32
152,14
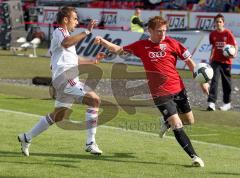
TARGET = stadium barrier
x,y
196,42
121,18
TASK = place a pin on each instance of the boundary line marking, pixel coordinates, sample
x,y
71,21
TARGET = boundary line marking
x,y
132,131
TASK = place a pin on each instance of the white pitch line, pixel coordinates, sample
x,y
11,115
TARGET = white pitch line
x,y
203,135
131,131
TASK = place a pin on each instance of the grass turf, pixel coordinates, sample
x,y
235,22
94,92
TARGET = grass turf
x,y
132,154
60,153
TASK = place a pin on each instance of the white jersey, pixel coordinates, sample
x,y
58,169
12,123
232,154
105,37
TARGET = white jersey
x,y
62,59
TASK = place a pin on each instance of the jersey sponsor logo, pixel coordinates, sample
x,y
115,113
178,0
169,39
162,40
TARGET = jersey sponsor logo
x,y
205,22
219,44
154,55
176,21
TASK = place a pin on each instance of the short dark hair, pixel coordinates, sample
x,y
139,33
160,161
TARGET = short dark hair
x,y
64,12
153,21
218,16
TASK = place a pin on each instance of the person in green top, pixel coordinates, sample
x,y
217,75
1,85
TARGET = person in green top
x,y
136,22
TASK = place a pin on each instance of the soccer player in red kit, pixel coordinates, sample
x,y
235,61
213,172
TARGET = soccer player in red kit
x,y
221,65
159,56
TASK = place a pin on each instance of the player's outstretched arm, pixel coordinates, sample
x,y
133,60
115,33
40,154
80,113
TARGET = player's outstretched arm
x,y
110,46
83,60
191,65
72,40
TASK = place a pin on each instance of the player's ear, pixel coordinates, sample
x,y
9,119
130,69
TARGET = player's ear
x,y
65,19
150,30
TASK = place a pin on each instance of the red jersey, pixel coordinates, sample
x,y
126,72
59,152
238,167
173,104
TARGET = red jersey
x,y
159,61
218,40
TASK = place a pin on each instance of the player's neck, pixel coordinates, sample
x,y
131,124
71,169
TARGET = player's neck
x,y
156,40
220,29
64,27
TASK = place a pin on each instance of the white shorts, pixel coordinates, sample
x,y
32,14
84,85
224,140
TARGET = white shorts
x,y
73,92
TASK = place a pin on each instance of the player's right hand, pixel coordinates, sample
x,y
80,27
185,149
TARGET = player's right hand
x,y
98,40
91,25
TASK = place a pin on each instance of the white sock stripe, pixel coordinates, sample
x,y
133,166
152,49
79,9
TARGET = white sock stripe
x,y
49,120
91,116
89,111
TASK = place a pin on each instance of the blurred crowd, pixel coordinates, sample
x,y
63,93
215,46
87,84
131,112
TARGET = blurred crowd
x,y
192,5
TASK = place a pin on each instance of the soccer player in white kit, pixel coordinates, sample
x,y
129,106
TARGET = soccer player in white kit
x,y
64,65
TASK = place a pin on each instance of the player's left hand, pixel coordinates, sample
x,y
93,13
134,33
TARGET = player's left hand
x,y
91,25
205,88
100,56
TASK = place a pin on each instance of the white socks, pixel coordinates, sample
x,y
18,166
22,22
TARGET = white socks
x,y
46,121
91,120
42,125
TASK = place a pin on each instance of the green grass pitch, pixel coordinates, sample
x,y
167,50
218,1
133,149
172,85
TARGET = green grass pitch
x,y
130,143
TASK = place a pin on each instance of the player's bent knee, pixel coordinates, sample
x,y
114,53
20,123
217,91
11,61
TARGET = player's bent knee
x,y
59,114
187,119
92,99
96,101
176,125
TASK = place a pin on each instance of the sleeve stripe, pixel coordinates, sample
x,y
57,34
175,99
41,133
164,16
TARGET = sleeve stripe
x,y
63,32
186,55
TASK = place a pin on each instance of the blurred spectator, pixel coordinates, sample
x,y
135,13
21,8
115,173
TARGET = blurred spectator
x,y
176,5
210,5
180,4
26,18
237,5
215,5
220,5
137,24
205,5
229,6
192,1
148,4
